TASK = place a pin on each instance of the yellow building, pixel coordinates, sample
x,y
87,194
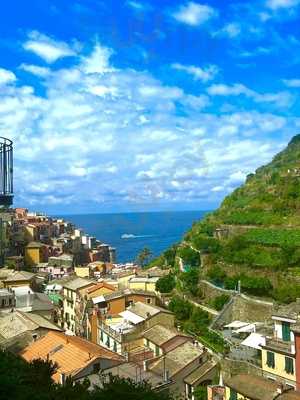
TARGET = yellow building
x,y
278,354
35,253
18,278
143,283
82,272
30,233
99,289
73,293
251,387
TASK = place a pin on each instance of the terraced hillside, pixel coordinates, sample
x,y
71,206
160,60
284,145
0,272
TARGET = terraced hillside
x,y
254,236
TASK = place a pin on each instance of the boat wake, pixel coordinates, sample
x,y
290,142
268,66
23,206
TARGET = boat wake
x,y
132,236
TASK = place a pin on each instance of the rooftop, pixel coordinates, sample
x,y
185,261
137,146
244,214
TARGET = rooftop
x,y
34,245
71,353
146,310
100,286
17,322
19,276
160,334
177,359
256,387
200,373
77,283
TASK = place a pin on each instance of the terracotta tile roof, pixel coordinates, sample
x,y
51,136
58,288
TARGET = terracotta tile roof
x,y
99,286
71,353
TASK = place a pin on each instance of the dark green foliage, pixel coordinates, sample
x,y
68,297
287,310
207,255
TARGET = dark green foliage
x,y
190,281
144,256
206,244
219,302
181,308
166,283
200,393
216,274
189,256
22,381
286,293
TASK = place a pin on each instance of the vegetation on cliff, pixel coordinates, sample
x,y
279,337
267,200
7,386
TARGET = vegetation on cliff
x,y
254,236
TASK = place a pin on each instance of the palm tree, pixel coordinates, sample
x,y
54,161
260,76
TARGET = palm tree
x,y
144,256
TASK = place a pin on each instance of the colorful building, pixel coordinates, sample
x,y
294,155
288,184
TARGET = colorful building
x,y
278,354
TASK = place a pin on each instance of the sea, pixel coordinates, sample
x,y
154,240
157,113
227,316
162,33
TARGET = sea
x,y
129,233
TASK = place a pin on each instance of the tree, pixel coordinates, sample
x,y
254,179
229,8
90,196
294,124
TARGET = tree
x,y
190,281
115,388
166,283
32,381
144,256
181,308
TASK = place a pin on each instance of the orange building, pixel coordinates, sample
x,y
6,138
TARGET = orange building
x,y
75,357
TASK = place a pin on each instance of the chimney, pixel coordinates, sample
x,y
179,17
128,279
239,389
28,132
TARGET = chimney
x,y
145,365
279,389
62,378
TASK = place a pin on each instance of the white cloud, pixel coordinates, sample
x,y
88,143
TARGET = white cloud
x,y
278,4
281,99
47,48
118,136
98,61
230,30
203,74
6,76
194,14
36,70
293,83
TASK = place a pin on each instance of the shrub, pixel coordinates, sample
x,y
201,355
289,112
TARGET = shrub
x,y
166,283
190,281
219,302
181,308
189,256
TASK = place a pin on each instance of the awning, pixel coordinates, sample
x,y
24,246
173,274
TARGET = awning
x,y
99,299
255,341
236,324
131,317
246,328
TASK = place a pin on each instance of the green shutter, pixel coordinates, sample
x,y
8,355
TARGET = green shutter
x,y
286,331
270,359
289,365
233,395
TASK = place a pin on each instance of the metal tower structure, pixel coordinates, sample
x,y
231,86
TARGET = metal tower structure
x,y
6,188
6,172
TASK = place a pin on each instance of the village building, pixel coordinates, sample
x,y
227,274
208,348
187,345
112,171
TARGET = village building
x,y
75,357
73,306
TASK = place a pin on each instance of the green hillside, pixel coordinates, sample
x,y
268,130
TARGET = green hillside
x,y
254,236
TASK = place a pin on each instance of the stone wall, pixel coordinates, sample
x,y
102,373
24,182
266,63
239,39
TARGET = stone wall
x,y
210,291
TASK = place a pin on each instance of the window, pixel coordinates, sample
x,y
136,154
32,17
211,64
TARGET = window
x,y
101,336
147,342
233,395
270,359
108,341
286,331
156,350
148,301
96,367
115,346
289,365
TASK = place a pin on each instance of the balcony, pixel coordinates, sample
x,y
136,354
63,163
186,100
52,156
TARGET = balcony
x,y
280,346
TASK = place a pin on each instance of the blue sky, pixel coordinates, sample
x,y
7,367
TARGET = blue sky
x,y
130,105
